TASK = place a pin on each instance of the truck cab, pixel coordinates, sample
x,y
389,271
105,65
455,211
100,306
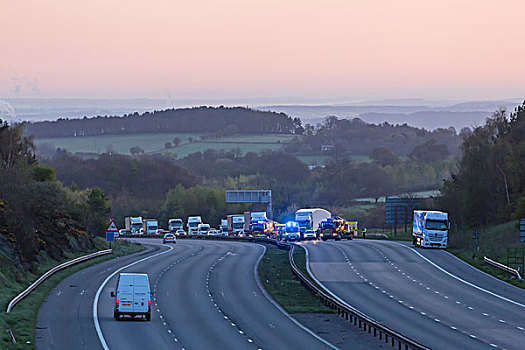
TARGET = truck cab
x,y
174,225
132,296
193,224
430,229
329,229
203,229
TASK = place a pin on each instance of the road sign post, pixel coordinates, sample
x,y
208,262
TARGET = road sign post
x,y
110,232
251,196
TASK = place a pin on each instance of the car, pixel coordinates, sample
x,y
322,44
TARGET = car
x,y
122,232
132,296
160,231
214,232
169,238
180,233
309,234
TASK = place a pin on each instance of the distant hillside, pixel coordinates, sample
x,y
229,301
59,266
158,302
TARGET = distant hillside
x,y
221,121
419,113
430,120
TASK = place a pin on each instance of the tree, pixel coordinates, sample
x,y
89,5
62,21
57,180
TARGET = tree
x,y
136,150
429,151
168,145
384,156
176,141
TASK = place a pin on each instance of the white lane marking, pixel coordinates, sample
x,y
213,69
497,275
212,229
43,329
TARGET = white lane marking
x,y
58,294
460,279
95,301
265,293
521,328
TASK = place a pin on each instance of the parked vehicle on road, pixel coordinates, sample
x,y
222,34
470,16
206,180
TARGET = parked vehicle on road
x,y
132,296
203,229
292,232
309,219
133,224
309,234
193,224
150,226
430,229
174,225
332,228
169,238
236,224
214,232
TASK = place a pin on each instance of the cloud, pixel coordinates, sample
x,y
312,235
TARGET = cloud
x,y
23,85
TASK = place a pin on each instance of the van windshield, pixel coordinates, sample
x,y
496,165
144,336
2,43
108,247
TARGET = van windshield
x,y
436,225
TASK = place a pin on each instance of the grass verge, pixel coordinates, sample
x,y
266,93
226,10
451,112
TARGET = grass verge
x,y
280,282
495,242
22,318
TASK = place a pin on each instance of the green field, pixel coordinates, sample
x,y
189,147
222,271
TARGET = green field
x,y
154,143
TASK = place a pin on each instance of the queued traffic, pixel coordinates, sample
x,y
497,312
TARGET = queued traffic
x,y
309,224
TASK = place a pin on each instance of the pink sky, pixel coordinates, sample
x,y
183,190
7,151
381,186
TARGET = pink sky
x,y
245,48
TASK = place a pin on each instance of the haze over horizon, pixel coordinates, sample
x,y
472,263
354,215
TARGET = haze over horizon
x,y
320,51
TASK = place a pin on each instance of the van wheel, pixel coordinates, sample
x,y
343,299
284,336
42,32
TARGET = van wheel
x,y
116,315
414,241
148,316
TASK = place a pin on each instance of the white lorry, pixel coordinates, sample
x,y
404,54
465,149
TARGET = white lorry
x,y
150,226
174,225
193,224
133,224
236,224
430,229
309,219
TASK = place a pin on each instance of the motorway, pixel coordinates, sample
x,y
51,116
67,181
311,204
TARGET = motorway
x,y
425,294
206,295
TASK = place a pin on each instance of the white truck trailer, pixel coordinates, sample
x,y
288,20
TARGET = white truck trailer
x,y
193,224
309,219
430,229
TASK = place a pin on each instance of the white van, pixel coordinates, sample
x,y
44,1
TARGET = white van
x,y
133,296
203,229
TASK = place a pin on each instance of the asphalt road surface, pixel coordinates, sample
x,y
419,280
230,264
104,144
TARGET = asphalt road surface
x,y
206,296
426,294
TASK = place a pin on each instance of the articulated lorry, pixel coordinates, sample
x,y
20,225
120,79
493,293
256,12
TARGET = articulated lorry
x,y
175,224
430,229
309,219
133,224
193,224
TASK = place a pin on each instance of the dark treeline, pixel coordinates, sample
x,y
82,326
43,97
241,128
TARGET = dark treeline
x,y
221,121
344,136
39,217
161,187
489,187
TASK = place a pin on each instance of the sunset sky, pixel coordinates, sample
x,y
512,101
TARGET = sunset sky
x,y
348,49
